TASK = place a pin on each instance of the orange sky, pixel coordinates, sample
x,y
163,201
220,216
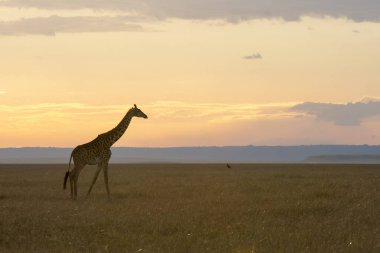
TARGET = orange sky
x,y
201,81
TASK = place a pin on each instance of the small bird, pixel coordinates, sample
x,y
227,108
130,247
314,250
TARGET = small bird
x,y
228,166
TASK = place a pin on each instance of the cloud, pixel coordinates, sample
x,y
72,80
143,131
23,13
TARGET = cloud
x,y
231,10
176,123
367,100
350,114
219,112
56,24
256,56
168,111
69,108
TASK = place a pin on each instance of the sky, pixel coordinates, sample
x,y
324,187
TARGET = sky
x,y
206,72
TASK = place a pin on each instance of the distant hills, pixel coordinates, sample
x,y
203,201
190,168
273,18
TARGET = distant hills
x,y
230,154
362,159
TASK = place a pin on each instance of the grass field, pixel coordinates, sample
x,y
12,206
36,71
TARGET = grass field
x,y
193,208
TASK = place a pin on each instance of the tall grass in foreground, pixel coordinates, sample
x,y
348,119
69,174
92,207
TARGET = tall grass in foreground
x,y
193,208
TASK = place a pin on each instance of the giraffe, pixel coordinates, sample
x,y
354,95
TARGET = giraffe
x,y
98,152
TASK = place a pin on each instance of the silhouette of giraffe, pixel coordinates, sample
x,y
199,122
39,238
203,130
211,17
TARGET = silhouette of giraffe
x,y
98,151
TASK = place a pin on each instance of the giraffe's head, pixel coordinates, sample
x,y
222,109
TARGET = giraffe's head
x,y
138,113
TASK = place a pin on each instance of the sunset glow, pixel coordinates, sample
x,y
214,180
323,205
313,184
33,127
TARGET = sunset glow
x,y
69,73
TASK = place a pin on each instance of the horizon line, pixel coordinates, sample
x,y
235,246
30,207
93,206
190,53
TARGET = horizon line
x,y
211,146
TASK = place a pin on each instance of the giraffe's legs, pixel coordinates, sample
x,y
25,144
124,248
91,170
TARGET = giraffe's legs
x,y
71,178
95,177
105,171
76,175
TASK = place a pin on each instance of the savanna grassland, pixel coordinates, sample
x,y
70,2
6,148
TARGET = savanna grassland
x,y
193,208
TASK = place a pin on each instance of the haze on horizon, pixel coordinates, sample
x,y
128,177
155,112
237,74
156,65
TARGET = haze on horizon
x,y
205,72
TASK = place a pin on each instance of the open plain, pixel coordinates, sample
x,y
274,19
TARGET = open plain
x,y
193,208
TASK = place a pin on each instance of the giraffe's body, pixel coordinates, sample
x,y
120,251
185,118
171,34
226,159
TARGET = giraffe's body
x,y
98,152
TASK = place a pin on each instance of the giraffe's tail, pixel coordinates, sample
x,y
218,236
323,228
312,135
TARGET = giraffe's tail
x,y
67,173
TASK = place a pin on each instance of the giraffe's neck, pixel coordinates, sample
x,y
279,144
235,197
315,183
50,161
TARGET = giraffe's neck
x,y
115,134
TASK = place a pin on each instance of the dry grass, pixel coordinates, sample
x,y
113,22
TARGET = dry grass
x,y
193,208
